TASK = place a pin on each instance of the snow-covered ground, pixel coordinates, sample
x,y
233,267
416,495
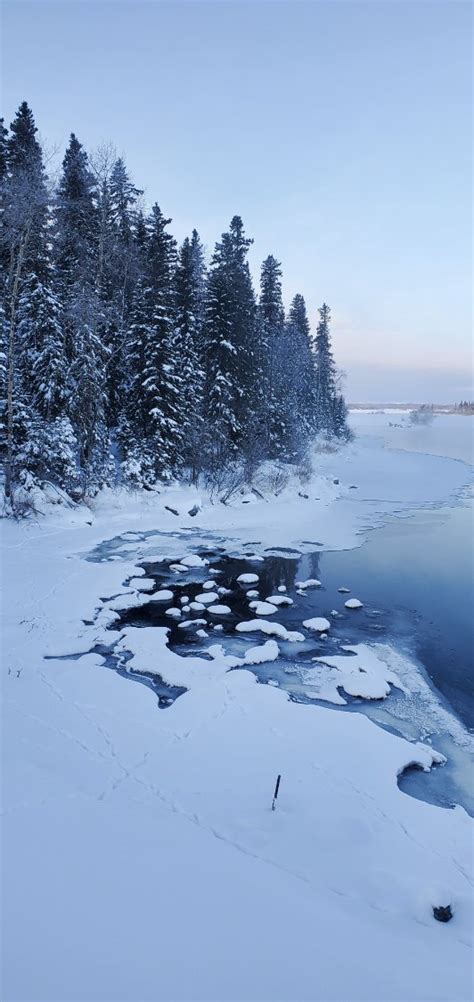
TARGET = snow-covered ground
x,y
141,856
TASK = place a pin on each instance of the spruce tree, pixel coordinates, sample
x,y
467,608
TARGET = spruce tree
x,y
325,374
158,385
190,303
76,220
231,359
301,372
24,218
271,317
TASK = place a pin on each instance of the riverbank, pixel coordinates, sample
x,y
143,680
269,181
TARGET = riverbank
x,y
154,844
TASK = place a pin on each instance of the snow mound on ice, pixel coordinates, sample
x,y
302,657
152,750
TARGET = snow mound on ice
x,y
275,629
279,600
192,622
174,612
319,624
353,603
310,583
247,578
207,597
263,608
219,610
163,595
269,651
194,560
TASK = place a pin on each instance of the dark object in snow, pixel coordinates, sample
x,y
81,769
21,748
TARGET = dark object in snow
x,y
336,481
275,795
301,495
258,494
353,487
172,510
443,913
194,510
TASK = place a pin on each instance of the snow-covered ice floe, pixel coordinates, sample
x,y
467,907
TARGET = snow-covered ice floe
x,y
247,578
359,672
353,603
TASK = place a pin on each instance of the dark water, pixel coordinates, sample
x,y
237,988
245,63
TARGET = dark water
x,y
414,576
420,571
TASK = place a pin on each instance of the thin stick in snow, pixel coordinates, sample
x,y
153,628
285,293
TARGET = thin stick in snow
x,y
275,795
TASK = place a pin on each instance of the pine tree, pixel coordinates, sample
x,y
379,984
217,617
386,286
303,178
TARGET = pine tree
x,y
325,374
231,370
76,219
160,397
271,316
123,198
24,212
302,373
122,269
88,405
190,303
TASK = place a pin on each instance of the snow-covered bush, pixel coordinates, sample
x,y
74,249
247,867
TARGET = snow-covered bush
x,y
422,415
305,469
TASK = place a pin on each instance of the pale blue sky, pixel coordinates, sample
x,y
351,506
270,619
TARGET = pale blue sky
x,y
339,131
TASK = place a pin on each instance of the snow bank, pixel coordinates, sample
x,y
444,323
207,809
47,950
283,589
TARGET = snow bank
x,y
142,584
